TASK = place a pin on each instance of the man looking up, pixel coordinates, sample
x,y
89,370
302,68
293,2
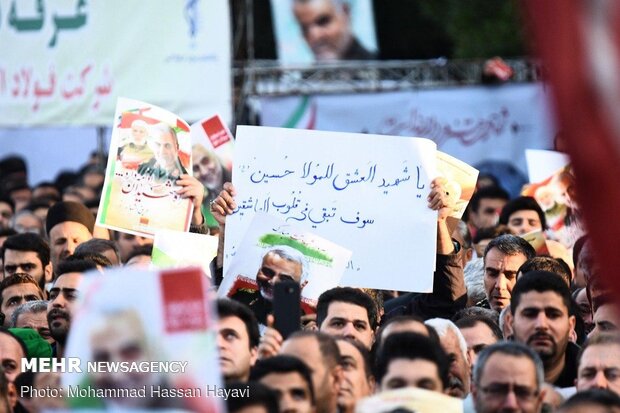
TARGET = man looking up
x,y
237,340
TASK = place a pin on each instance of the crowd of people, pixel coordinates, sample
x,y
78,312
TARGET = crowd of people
x,y
506,328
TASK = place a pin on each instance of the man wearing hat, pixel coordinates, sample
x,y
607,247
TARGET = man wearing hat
x,y
68,224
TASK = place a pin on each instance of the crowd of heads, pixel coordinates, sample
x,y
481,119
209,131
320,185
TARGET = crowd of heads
x,y
511,330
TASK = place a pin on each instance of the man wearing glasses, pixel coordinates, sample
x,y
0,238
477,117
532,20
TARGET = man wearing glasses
x,y
508,376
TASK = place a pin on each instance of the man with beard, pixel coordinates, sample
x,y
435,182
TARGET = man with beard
x,y
68,224
540,306
62,297
455,346
281,263
27,254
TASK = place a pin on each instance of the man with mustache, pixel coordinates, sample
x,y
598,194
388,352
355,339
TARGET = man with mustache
x,y
62,297
540,318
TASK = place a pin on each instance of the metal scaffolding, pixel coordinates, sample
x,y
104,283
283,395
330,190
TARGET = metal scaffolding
x,y
269,78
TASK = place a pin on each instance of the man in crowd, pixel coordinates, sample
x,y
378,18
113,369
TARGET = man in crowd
x,y
291,379
127,242
12,350
411,360
502,259
33,314
27,254
348,312
484,208
599,363
508,377
63,295
606,316
15,290
104,247
541,319
358,381
321,352
7,209
326,27
68,224
454,345
523,215
237,340
479,332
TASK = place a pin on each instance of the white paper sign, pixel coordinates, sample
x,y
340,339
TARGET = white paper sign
x,y
366,193
322,262
174,249
541,164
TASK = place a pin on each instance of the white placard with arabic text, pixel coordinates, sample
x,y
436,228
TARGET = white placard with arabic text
x,y
366,193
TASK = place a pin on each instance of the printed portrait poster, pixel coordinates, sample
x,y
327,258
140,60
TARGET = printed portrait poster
x,y
175,249
144,340
212,156
324,30
460,183
317,264
557,197
149,149
409,399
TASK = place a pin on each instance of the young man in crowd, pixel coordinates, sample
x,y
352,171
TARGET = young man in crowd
x,y
291,379
237,340
27,254
411,360
541,319
319,351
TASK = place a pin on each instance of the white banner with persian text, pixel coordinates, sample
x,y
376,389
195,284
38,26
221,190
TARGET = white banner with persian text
x,y
470,123
366,193
65,62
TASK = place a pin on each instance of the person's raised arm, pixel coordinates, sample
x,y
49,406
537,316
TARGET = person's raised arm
x,y
220,207
439,200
